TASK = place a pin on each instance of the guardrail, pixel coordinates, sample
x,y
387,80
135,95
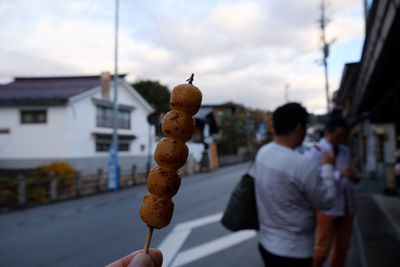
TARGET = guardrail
x,y
28,189
234,159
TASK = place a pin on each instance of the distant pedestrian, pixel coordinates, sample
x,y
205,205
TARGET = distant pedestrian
x,y
334,226
397,164
289,188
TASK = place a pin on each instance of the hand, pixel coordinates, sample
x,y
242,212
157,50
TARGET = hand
x,y
140,259
328,158
348,172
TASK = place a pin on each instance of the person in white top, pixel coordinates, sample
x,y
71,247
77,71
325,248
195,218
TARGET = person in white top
x,y
289,188
334,226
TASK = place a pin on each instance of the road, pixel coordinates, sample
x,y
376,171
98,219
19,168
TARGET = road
x,y
96,230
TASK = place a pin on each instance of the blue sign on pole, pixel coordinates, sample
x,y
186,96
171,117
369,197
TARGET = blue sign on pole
x,y
112,169
261,129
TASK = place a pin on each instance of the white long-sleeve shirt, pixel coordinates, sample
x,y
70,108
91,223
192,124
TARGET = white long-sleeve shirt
x,y
345,195
288,191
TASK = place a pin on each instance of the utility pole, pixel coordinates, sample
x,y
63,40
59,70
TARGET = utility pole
x,y
287,92
115,106
325,50
113,150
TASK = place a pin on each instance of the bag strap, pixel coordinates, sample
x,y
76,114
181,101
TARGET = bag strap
x,y
251,165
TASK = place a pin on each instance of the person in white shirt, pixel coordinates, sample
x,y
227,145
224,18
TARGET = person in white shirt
x,y
289,188
334,226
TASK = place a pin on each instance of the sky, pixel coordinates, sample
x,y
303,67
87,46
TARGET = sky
x,y
241,51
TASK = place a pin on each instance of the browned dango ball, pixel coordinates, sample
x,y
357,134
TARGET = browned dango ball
x,y
186,97
171,154
178,125
155,211
163,183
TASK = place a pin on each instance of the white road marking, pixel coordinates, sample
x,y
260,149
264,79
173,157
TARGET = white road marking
x,y
174,241
212,247
171,245
199,222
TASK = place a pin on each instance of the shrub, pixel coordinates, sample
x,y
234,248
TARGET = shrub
x,y
60,169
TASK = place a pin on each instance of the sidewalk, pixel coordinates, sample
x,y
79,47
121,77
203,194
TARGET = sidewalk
x,y
379,224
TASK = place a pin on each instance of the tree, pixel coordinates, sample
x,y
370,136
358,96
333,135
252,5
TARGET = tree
x,y
239,130
155,93
233,133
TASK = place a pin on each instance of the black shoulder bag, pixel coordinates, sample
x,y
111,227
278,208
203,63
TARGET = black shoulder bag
x,y
241,211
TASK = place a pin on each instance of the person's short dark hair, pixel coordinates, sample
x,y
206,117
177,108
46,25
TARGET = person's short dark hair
x,y
335,123
287,117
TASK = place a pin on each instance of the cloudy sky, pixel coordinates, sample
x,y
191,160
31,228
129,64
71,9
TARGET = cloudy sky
x,y
241,51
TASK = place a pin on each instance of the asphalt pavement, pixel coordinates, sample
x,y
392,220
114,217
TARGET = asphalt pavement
x,y
379,223
96,230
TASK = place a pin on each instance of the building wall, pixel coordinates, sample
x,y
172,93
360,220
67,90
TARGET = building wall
x,y
82,125
390,143
371,162
35,140
68,134
375,166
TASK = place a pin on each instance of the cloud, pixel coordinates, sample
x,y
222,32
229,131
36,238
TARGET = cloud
x,y
236,17
32,66
243,51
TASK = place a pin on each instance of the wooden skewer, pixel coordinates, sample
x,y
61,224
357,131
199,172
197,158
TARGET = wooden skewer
x,y
190,80
148,239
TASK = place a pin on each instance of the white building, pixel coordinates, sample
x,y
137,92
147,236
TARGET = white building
x,y
70,119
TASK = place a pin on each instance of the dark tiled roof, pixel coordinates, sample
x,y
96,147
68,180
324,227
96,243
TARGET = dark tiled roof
x,y
45,90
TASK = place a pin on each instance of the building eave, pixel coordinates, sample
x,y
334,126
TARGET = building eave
x,y
33,102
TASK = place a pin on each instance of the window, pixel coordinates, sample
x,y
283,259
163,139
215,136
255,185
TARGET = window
x,y
124,119
105,118
123,147
103,146
33,116
103,143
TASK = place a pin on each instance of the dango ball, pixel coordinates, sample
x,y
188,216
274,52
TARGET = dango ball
x,y
178,125
156,212
186,97
171,154
163,183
